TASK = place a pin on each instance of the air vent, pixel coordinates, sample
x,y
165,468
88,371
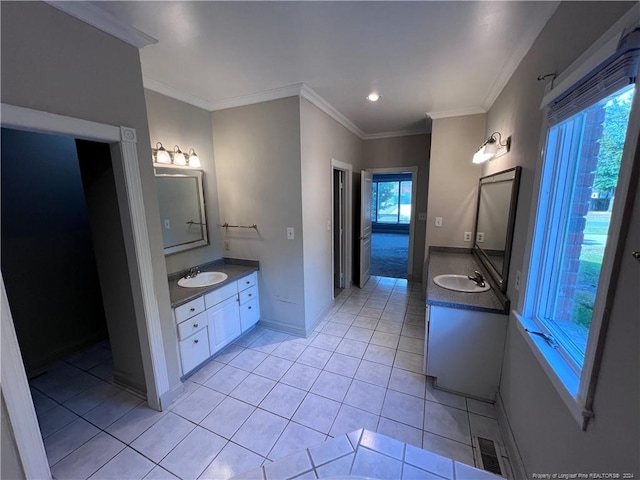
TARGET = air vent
x,y
489,455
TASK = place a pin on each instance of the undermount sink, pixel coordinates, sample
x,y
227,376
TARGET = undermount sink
x,y
459,283
203,279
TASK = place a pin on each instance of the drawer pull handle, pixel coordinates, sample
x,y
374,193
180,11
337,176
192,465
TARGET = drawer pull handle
x,y
195,341
249,294
195,325
247,282
249,308
192,309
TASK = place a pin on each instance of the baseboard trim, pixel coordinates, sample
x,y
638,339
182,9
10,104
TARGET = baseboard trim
x,y
125,380
280,327
319,318
167,398
513,452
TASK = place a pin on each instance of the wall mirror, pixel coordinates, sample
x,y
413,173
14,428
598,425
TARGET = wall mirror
x,y
182,212
495,218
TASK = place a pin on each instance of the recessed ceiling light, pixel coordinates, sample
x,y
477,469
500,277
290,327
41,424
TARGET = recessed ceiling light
x,y
373,97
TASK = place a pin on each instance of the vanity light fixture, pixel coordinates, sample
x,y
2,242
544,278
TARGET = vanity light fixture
x,y
194,161
373,97
489,148
160,155
178,157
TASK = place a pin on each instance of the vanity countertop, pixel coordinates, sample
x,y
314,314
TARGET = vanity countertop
x,y
180,295
441,263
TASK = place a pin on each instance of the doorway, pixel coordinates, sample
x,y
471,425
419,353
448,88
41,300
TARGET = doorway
x,y
341,225
392,212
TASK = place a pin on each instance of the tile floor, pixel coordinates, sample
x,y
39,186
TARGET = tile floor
x,y
263,398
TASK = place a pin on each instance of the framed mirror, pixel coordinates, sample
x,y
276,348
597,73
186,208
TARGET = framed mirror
x,y
495,218
182,212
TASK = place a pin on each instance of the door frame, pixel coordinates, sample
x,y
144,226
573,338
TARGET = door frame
x,y
15,387
348,182
412,223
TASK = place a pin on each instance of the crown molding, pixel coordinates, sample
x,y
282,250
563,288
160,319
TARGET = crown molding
x,y
108,23
400,133
309,94
459,112
173,92
258,97
523,45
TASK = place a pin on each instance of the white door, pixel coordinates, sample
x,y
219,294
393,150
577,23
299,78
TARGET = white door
x,y
365,227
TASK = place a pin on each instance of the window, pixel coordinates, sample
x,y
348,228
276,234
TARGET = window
x,y
585,177
391,199
582,164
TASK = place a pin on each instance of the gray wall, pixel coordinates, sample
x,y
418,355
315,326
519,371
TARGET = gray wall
x,y
55,63
173,122
453,179
408,151
548,437
257,158
321,139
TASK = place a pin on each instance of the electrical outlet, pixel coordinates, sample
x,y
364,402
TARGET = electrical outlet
x,y
422,216
480,237
167,224
467,236
518,275
438,221
290,233
227,245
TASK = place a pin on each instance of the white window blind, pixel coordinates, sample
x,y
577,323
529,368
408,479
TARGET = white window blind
x,y
616,72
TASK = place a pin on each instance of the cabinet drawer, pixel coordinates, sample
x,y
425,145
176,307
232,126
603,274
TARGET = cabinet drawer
x,y
248,281
194,350
221,294
248,294
189,309
192,325
249,314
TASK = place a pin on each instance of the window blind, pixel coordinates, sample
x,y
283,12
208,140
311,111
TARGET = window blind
x,y
618,71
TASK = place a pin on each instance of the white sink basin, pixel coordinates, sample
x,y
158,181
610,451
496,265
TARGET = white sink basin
x,y
203,279
459,283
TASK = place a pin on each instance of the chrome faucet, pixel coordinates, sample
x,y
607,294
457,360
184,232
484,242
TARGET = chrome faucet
x,y
477,277
193,272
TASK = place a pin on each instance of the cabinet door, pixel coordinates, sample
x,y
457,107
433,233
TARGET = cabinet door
x,y
194,350
224,323
249,314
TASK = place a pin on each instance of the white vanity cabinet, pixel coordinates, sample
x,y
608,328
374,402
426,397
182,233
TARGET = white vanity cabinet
x,y
464,350
209,323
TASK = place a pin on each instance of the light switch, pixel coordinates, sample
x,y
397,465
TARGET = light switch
x,y
329,225
167,224
438,221
290,234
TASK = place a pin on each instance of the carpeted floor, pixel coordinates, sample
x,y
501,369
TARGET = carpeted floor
x,y
389,254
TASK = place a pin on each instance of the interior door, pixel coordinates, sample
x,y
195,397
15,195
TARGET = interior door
x,y
365,227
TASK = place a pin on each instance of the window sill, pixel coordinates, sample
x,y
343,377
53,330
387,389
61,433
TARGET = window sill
x,y
562,377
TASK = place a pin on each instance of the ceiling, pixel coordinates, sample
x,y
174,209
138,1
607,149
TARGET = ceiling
x,y
436,58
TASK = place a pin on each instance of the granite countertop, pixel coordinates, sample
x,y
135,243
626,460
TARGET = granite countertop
x,y
234,269
441,263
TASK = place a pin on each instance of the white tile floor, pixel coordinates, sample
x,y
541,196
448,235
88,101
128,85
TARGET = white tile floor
x,y
265,397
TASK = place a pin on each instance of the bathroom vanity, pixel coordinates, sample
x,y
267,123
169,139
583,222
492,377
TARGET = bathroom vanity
x,y
209,318
465,332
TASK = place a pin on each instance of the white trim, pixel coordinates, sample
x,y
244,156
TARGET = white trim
x,y
597,53
456,112
523,45
172,92
400,133
348,169
104,21
258,97
17,397
414,191
152,348
309,94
